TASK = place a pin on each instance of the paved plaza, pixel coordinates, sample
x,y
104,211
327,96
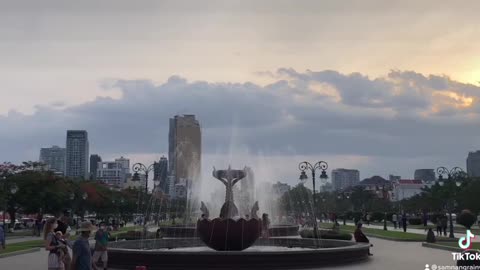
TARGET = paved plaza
x,y
388,255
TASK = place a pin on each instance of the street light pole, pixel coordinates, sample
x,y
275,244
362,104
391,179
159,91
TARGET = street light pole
x,y
140,167
303,166
455,175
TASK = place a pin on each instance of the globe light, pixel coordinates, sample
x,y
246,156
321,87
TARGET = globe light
x,y
13,189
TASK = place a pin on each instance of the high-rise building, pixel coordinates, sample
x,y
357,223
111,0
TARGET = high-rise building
x,y
185,148
77,154
426,175
125,164
94,160
473,164
54,158
160,173
343,178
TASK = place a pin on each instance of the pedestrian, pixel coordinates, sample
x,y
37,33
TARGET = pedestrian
x,y
2,238
439,225
368,219
404,222
425,221
101,242
444,225
265,225
395,220
53,245
360,237
82,255
64,228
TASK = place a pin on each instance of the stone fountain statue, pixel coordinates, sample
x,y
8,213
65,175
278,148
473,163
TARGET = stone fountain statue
x,y
229,231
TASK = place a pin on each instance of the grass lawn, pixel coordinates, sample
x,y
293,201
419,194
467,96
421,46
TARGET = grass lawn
x,y
394,235
22,246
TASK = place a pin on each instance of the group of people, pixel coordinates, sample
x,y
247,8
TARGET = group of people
x,y
58,244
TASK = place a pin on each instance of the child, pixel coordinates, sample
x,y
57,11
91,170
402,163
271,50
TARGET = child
x,y
62,250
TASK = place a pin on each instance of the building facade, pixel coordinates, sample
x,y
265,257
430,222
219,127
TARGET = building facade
x,y
54,159
185,148
426,175
114,173
406,188
160,174
94,160
77,156
473,164
343,178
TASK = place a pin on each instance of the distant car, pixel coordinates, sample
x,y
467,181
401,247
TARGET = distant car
x,y
28,222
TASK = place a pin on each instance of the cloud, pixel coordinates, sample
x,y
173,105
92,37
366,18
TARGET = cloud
x,y
401,115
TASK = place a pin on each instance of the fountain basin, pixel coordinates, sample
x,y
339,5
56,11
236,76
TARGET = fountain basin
x,y
182,231
273,253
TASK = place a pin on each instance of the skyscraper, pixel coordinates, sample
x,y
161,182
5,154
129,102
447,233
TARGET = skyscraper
x,y
77,154
160,173
54,158
426,175
185,148
94,159
114,173
343,178
473,164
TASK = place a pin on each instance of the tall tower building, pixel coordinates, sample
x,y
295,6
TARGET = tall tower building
x,y
185,148
160,173
94,160
343,178
54,158
77,154
473,164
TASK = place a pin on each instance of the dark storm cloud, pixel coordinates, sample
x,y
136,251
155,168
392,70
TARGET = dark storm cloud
x,y
393,116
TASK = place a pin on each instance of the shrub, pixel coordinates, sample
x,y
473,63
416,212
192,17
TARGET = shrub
x,y
326,234
466,218
415,221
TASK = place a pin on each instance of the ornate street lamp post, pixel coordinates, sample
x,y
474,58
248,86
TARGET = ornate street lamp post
x,y
304,166
344,196
141,168
454,178
10,189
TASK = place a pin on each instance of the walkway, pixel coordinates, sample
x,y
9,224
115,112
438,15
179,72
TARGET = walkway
x,y
387,255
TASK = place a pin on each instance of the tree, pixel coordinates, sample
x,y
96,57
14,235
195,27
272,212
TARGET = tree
x,y
466,218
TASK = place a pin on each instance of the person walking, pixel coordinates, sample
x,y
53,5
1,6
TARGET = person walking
x,y
82,255
53,245
404,222
394,220
101,241
439,226
2,238
63,227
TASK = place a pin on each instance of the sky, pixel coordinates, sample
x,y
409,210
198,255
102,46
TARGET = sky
x,y
385,87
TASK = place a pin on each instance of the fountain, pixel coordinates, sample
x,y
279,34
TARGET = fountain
x,y
229,231
232,242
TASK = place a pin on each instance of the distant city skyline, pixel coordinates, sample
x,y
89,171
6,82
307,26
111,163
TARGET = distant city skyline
x,y
383,88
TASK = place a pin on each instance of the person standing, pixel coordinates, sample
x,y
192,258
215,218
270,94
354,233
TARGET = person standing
x,y
52,245
101,241
265,225
444,224
395,220
82,255
368,219
2,238
404,222
64,228
425,221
